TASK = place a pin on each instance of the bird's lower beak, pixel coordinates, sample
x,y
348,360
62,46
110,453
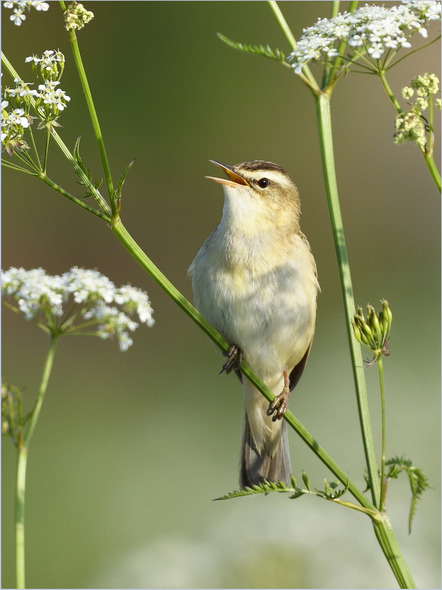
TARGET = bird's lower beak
x,y
234,178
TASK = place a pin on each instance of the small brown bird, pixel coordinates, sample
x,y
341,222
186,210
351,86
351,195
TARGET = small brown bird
x,y
255,281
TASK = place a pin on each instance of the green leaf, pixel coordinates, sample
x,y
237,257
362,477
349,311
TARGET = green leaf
x,y
306,480
122,180
263,488
87,172
417,478
266,50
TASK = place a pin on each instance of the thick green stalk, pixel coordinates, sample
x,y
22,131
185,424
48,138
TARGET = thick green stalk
x,y
23,446
326,140
388,542
20,486
381,385
382,526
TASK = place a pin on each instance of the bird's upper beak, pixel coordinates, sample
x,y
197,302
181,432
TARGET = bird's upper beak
x,y
234,178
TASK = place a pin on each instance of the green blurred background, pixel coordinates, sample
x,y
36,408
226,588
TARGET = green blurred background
x,y
132,447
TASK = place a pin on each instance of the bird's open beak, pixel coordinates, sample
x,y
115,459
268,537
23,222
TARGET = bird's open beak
x,y
234,178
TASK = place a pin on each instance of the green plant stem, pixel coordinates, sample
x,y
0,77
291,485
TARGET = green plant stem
x,y
435,175
381,386
326,140
23,447
92,112
20,487
383,530
389,91
389,545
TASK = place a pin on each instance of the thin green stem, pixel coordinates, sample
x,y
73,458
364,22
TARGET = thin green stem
x,y
409,53
435,175
92,112
23,446
42,390
326,140
381,385
306,76
72,198
390,93
46,152
20,488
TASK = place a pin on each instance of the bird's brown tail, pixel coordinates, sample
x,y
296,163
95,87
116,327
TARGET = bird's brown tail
x,y
256,466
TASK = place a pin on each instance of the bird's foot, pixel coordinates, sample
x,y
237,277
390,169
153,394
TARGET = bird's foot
x,y
279,405
234,360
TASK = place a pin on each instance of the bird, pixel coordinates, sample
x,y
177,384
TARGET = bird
x,y
255,280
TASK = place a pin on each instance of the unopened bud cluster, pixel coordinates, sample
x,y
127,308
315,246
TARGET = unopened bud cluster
x,y
76,16
412,125
373,332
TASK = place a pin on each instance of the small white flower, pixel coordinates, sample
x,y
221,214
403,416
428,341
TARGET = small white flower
x,y
18,17
38,5
19,8
43,298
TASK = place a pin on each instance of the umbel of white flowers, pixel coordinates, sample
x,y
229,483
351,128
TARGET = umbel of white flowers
x,y
79,301
48,101
367,33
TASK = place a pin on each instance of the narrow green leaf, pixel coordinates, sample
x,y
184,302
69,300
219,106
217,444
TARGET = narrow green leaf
x,y
122,180
265,51
306,480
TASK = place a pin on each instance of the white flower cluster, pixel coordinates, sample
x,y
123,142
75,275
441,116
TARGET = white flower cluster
x,y
373,30
49,100
42,297
13,125
19,8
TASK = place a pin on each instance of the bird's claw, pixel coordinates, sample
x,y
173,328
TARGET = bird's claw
x,y
234,359
279,405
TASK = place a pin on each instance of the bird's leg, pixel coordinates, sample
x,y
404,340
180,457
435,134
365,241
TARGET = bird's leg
x,y
279,405
234,359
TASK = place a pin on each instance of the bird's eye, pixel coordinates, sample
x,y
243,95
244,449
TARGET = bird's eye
x,y
263,182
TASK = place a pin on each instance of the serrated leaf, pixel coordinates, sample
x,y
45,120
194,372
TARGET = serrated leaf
x,y
264,50
416,477
263,488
